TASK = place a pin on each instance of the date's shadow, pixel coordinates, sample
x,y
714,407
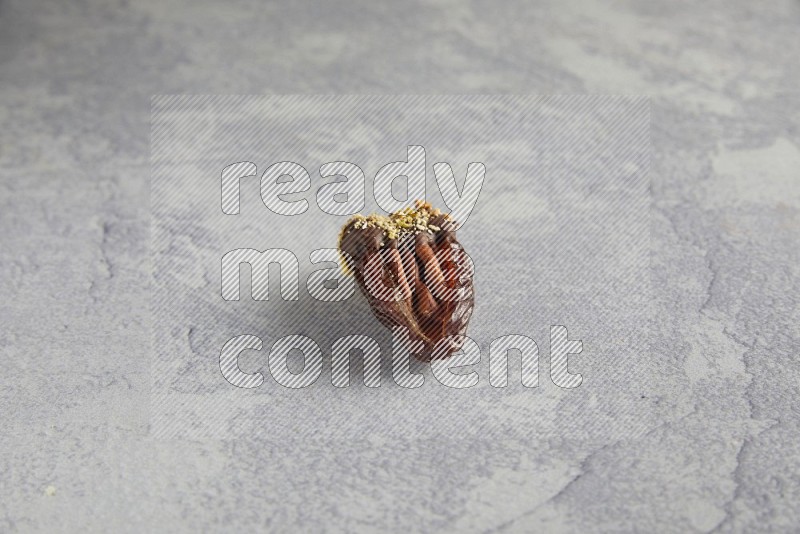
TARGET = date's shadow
x,y
322,322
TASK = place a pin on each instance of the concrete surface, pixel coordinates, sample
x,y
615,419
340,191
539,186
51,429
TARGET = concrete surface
x,y
718,450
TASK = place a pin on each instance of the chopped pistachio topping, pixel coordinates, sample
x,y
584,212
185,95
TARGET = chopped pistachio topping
x,y
408,221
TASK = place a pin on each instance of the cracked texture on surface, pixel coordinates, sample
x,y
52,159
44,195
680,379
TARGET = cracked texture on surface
x,y
719,453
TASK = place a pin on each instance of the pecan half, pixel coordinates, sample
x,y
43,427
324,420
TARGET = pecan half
x,y
414,274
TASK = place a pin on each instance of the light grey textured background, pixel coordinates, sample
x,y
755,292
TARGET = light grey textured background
x,y
559,236
720,452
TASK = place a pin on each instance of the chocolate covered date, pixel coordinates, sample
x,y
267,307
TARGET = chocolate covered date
x,y
414,274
